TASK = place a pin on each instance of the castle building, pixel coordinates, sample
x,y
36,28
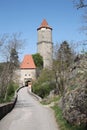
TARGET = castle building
x,y
27,70
44,44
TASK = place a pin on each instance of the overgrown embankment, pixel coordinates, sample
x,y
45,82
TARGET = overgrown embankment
x,y
72,113
71,110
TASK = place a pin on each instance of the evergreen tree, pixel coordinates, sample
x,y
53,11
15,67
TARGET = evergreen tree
x,y
63,59
65,54
14,57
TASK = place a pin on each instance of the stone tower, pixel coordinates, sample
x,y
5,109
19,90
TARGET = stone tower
x,y
44,44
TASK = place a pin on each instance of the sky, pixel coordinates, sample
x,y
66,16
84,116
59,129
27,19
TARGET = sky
x,y
25,16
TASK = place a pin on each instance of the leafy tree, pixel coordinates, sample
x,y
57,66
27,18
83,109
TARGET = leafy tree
x,y
38,60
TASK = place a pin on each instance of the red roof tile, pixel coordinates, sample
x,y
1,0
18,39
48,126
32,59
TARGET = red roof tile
x,y
28,62
44,24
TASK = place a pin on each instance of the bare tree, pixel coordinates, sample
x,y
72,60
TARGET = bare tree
x,y
2,39
12,42
10,51
80,3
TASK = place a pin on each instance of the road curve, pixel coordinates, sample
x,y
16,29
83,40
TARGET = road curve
x,y
28,114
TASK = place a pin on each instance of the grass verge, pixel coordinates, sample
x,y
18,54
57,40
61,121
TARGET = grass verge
x,y
47,101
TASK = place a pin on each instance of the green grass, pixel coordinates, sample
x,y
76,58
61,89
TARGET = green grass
x,y
62,123
48,101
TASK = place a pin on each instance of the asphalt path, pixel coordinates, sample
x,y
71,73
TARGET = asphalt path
x,y
28,114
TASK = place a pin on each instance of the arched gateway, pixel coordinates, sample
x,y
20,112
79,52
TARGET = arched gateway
x,y
28,70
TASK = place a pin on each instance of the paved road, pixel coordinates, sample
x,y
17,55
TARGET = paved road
x,y
28,114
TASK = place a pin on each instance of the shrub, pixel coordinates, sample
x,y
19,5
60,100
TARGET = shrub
x,y
10,90
44,83
43,89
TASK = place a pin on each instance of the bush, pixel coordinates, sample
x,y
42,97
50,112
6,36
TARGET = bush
x,y
43,89
11,90
6,96
44,84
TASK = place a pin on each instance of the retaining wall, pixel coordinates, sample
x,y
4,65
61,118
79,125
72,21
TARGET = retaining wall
x,y
7,107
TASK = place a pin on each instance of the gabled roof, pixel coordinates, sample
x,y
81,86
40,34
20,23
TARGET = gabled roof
x,y
44,24
28,62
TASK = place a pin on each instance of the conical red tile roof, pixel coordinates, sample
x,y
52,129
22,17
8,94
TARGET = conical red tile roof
x,y
28,62
44,24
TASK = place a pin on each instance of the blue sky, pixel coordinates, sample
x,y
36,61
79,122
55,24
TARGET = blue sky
x,y
25,16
